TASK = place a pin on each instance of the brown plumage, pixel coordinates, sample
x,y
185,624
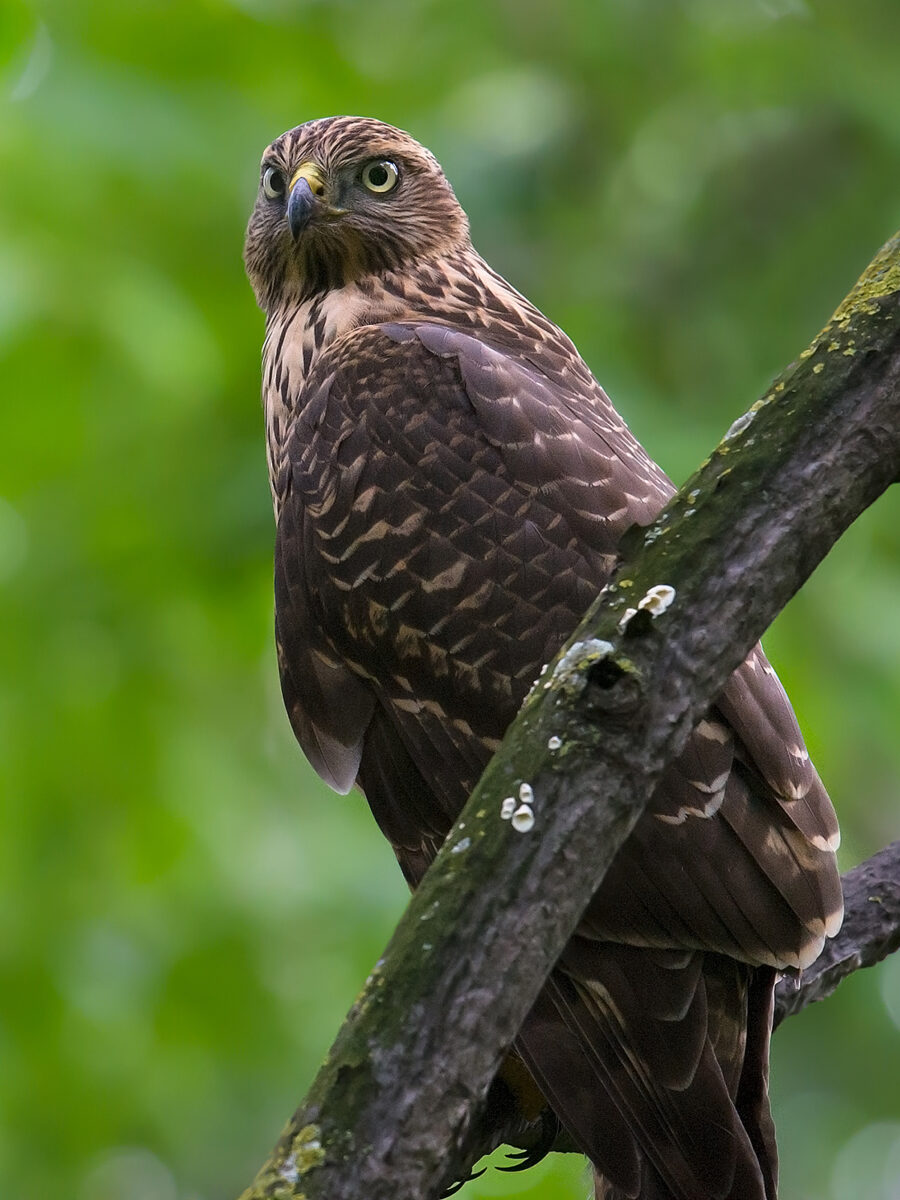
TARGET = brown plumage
x,y
450,484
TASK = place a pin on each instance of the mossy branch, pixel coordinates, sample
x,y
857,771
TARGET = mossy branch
x,y
390,1108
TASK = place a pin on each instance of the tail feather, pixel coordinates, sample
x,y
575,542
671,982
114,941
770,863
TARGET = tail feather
x,y
657,1063
752,1099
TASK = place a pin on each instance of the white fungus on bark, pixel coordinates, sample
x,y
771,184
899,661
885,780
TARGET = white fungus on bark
x,y
523,819
657,599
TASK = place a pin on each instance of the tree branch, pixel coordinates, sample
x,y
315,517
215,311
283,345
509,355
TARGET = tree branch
x,y
870,932
392,1103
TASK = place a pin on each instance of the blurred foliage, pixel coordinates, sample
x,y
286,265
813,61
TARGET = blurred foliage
x,y
688,187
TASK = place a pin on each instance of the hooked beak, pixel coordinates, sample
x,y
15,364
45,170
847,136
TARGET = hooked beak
x,y
306,199
301,203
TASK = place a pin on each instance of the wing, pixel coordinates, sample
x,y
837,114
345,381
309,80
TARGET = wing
x,y
328,705
442,527
456,511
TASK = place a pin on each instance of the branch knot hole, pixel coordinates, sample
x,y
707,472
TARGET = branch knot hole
x,y
604,674
613,687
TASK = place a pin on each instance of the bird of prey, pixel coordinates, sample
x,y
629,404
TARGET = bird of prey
x,y
450,484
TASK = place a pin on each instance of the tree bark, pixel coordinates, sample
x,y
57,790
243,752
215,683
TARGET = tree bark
x,y
391,1106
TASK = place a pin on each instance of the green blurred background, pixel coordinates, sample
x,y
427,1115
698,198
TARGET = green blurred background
x,y
186,913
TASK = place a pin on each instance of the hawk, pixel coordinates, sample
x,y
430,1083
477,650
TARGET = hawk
x,y
450,484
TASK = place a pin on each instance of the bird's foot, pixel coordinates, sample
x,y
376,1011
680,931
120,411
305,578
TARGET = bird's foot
x,y
549,1132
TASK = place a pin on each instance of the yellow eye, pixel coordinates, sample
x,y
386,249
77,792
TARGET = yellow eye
x,y
380,176
273,183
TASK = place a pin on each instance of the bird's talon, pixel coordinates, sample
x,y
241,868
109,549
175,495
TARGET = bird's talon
x,y
531,1157
461,1183
529,1160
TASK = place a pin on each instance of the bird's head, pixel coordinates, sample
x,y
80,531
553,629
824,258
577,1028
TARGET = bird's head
x,y
341,198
